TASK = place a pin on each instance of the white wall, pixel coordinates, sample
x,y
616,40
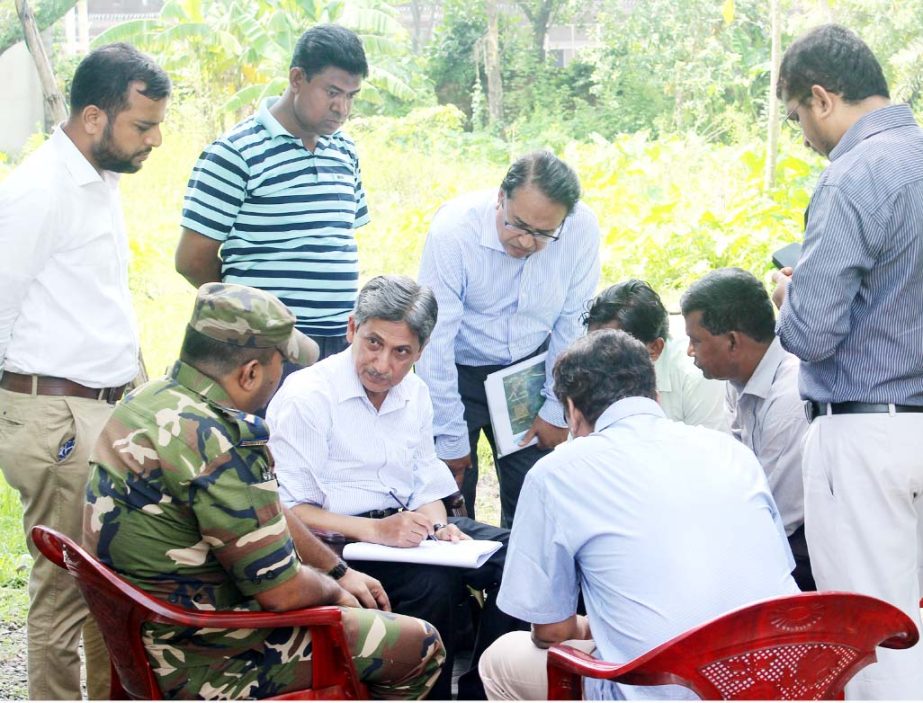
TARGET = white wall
x,y
21,111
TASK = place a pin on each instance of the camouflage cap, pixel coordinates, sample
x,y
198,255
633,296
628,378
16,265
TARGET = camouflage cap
x,y
249,317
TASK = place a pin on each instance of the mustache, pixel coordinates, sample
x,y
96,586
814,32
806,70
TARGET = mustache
x,y
371,373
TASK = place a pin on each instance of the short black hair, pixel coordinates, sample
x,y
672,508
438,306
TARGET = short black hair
x,y
601,368
104,77
217,359
835,58
330,45
732,299
554,178
635,306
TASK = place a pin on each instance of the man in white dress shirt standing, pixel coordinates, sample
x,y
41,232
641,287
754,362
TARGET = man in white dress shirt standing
x,y
68,338
512,270
352,438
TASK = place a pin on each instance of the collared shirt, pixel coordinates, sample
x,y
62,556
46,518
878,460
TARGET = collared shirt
x,y
333,449
65,307
182,502
496,309
684,393
285,216
852,312
662,526
769,418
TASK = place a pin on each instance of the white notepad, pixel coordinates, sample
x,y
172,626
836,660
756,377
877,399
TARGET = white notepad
x,y
470,553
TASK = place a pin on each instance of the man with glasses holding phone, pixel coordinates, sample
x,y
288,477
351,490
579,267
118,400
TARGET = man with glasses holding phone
x,y
511,270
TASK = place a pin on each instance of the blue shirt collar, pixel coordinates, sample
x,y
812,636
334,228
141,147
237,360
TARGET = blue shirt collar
x,y
627,407
881,120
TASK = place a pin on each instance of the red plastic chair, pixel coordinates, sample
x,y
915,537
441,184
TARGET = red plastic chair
x,y
802,647
121,609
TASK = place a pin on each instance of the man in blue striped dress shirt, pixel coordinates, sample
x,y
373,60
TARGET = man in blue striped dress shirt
x,y
512,270
853,314
275,202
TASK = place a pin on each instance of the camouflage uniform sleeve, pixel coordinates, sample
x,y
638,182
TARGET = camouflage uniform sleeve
x,y
236,502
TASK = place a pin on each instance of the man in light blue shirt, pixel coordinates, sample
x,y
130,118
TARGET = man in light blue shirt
x,y
660,525
512,270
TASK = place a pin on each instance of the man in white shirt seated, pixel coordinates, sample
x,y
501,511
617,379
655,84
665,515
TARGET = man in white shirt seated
x,y
352,438
660,525
731,327
682,391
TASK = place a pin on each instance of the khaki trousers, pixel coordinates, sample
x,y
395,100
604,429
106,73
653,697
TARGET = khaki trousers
x,y
32,432
514,669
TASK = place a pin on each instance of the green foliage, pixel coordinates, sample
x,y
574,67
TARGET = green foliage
x,y
233,53
46,12
451,64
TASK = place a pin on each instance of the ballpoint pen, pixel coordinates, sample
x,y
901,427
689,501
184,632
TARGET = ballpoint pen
x,y
404,507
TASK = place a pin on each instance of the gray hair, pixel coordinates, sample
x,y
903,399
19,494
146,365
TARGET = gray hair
x,y
398,299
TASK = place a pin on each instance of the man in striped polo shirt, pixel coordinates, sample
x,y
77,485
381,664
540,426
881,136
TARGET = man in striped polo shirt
x,y
274,203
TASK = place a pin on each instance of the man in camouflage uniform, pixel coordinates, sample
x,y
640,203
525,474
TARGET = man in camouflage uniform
x,y
183,502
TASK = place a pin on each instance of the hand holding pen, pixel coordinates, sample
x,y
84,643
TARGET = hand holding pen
x,y
429,535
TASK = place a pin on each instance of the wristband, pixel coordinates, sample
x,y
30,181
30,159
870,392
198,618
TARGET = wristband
x,y
338,571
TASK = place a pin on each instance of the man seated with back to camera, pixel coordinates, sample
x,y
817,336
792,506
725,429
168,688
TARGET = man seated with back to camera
x,y
182,502
661,526
353,443
682,391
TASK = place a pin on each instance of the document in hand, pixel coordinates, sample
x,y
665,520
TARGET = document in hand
x,y
514,397
469,554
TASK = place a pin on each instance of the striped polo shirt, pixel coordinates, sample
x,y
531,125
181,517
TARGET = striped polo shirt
x,y
285,216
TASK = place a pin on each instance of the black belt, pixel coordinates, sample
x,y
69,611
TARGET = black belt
x,y
379,514
814,409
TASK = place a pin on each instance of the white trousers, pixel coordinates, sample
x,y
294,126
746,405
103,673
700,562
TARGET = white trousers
x,y
863,504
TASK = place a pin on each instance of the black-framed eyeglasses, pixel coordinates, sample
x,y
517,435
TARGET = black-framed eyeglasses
x,y
541,235
791,117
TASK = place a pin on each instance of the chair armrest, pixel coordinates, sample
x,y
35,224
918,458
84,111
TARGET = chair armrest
x,y
573,660
455,505
322,615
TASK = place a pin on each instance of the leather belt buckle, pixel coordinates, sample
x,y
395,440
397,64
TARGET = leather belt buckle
x,y
811,410
112,395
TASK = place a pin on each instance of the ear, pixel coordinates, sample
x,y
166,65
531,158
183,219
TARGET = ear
x,y
351,328
824,101
94,120
656,348
250,376
296,78
500,195
733,341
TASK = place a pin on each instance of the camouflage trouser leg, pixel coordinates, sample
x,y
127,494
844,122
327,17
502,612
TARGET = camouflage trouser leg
x,y
396,656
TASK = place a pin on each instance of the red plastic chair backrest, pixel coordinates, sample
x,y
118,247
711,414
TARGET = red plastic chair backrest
x,y
801,647
121,609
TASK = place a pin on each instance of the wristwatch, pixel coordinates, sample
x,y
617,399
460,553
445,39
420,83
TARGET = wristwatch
x,y
438,526
338,571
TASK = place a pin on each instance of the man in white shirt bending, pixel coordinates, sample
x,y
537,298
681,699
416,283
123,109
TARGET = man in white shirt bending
x,y
68,339
353,443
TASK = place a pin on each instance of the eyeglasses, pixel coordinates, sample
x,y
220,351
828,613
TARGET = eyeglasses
x,y
540,235
791,118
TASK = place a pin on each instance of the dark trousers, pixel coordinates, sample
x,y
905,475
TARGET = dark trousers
x,y
512,468
802,573
433,593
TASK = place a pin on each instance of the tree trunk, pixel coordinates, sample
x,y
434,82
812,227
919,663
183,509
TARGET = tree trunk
x,y
539,16
492,65
54,101
772,111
